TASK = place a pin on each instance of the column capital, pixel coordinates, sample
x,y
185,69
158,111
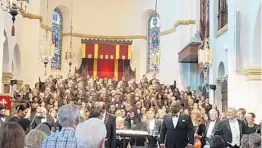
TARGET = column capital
x,y
253,73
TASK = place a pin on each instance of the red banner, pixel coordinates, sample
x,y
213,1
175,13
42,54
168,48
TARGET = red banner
x,y
106,51
105,68
5,101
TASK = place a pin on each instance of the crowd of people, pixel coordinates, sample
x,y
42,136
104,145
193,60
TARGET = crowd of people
x,y
80,111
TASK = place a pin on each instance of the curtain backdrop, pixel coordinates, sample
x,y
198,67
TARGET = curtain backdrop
x,y
90,64
120,69
105,68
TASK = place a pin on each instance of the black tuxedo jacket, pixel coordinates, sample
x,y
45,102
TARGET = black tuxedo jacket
x,y
214,128
179,136
110,123
224,130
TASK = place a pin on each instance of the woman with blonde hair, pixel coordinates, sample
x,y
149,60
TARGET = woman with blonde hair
x,y
34,139
12,135
199,127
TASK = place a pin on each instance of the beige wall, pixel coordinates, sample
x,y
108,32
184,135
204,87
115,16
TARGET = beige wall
x,y
99,18
118,18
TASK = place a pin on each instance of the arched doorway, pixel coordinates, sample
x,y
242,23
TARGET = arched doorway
x,y
221,70
5,54
257,41
17,61
221,88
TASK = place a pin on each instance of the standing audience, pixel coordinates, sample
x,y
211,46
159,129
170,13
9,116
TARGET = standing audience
x,y
67,117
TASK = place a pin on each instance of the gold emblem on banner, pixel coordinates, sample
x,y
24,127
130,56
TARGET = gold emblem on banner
x,y
101,56
106,56
89,56
123,57
3,102
111,57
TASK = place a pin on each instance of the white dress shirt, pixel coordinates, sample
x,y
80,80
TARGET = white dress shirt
x,y
175,120
104,116
234,126
43,120
151,124
3,119
210,129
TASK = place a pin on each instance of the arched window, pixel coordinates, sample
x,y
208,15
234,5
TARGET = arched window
x,y
153,39
57,38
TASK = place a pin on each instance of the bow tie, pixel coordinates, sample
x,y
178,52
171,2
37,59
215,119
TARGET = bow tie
x,y
174,115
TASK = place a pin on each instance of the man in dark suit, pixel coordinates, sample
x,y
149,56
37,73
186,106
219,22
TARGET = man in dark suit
x,y
3,117
231,130
177,129
110,123
211,125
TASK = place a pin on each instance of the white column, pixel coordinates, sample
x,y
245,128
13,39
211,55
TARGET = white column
x,y
2,40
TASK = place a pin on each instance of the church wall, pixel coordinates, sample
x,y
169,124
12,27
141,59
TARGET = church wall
x,y
241,93
254,59
124,21
2,40
170,12
135,24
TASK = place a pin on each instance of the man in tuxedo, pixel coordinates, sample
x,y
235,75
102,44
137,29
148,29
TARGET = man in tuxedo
x,y
177,129
231,129
211,125
153,127
110,123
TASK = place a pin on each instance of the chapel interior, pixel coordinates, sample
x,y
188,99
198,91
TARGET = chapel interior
x,y
213,46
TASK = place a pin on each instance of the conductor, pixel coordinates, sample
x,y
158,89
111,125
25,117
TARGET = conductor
x,y
177,129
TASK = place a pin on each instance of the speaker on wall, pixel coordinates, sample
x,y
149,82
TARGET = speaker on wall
x,y
213,87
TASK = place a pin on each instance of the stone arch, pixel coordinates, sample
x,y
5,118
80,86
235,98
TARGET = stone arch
x,y
145,18
65,12
144,31
257,40
57,31
17,60
221,70
6,59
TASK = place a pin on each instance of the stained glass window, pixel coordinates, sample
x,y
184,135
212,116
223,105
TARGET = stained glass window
x,y
153,43
57,25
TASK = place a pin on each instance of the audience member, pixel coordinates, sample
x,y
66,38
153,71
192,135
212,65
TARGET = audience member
x,y
34,139
44,128
12,135
91,133
67,116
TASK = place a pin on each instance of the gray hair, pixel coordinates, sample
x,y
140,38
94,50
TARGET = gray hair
x,y
34,138
68,114
91,133
43,128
